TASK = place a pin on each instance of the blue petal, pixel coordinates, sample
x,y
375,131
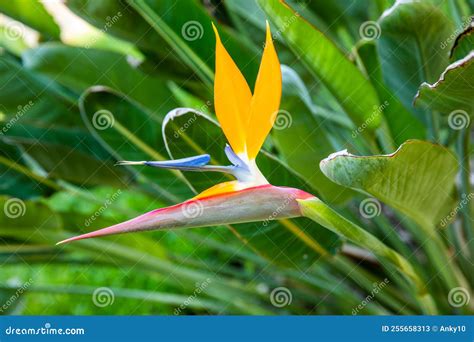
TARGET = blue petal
x,y
233,158
196,163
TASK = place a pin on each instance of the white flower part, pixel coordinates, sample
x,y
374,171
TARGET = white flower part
x,y
248,175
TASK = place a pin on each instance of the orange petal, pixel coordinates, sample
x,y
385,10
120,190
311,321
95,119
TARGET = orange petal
x,y
266,98
232,97
218,189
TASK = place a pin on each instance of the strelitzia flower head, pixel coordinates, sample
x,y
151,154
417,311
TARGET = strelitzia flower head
x,y
246,120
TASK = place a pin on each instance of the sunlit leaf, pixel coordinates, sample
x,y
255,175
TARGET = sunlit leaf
x,y
33,14
417,179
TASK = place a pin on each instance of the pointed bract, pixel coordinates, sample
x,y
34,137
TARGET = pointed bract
x,y
262,203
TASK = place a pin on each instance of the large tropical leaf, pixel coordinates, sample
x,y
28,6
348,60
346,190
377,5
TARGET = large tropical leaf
x,y
417,179
80,68
464,43
322,57
411,46
403,124
26,95
453,91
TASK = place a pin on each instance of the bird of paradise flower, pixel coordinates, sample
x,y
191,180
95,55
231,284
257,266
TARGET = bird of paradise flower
x,y
246,120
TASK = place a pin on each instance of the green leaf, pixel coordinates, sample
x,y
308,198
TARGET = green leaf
x,y
65,153
80,68
13,182
417,179
454,91
120,20
412,47
129,132
33,14
191,36
27,221
403,124
302,140
463,44
25,95
76,138
353,91
299,241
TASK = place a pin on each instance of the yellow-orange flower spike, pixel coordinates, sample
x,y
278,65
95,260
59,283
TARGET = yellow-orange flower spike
x,y
266,98
232,98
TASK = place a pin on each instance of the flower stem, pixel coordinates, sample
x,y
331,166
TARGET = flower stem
x,y
321,213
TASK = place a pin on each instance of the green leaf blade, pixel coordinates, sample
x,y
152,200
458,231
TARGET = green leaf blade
x,y
322,57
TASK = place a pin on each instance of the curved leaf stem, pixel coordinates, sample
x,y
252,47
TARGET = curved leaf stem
x,y
321,213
